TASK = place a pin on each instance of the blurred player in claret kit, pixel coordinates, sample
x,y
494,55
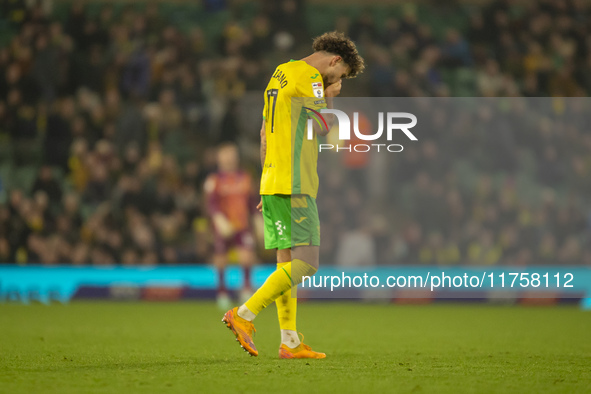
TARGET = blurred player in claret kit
x,y
286,186
230,199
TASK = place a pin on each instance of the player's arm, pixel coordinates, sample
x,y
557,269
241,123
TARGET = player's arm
x,y
329,118
255,216
330,92
263,144
219,220
263,157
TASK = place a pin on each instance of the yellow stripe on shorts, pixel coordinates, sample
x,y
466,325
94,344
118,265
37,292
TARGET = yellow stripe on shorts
x,y
299,202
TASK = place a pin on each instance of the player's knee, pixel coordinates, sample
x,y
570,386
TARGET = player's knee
x,y
309,253
301,270
283,256
219,261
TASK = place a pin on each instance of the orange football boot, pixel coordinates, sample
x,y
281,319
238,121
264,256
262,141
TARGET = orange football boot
x,y
300,351
242,329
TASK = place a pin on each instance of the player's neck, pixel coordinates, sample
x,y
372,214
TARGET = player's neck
x,y
315,60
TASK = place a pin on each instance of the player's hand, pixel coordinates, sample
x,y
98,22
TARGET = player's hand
x,y
223,226
334,89
260,206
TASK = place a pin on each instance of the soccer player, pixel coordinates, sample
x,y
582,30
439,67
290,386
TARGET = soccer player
x,y
290,184
230,201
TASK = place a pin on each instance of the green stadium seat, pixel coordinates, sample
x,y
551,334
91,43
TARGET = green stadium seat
x,y
527,163
24,177
6,149
464,82
467,176
6,175
86,211
59,174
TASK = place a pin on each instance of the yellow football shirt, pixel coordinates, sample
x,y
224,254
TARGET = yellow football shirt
x,y
291,158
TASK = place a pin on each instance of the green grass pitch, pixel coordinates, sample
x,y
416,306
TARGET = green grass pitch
x,y
101,347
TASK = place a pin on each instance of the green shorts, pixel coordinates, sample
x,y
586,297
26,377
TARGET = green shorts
x,y
290,221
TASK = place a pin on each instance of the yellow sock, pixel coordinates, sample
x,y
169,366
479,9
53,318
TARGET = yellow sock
x,y
279,282
287,305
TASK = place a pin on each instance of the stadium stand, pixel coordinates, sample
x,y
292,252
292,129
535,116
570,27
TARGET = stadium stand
x,y
110,113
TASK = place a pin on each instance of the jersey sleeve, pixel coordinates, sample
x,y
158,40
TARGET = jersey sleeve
x,y
310,85
211,195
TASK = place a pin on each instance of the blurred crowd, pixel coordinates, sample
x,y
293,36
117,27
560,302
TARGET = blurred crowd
x,y
490,181
507,48
109,122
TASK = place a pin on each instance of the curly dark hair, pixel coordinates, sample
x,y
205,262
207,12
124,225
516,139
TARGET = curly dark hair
x,y
339,44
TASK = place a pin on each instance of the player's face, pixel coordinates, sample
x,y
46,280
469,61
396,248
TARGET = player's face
x,y
228,159
336,71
